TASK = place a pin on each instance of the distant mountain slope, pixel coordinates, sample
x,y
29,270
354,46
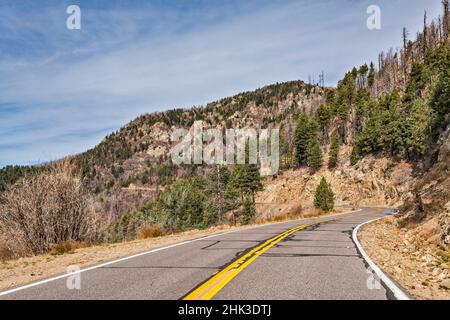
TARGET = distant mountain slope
x,y
137,155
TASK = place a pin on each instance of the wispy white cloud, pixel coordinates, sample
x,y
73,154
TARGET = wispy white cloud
x,y
61,90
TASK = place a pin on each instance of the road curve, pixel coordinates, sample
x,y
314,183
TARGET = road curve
x,y
307,259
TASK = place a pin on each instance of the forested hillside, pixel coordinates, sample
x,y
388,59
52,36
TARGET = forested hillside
x,y
398,109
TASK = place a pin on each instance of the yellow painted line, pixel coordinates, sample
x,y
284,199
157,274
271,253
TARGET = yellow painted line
x,y
211,287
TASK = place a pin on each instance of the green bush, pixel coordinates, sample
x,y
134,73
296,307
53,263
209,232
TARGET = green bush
x,y
185,205
324,197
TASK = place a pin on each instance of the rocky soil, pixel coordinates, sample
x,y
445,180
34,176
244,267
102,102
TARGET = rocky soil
x,y
409,258
429,203
414,248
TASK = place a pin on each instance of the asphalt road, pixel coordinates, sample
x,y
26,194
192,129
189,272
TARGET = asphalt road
x,y
290,260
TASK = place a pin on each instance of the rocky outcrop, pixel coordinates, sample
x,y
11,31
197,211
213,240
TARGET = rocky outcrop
x,y
430,199
373,182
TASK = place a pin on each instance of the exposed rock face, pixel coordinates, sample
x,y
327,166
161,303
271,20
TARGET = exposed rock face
x,y
373,182
431,197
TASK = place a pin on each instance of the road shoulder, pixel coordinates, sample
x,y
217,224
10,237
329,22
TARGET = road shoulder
x,y
416,268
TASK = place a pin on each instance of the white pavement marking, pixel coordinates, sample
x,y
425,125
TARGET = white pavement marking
x,y
396,290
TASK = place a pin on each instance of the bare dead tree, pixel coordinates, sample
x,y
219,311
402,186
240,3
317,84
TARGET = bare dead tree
x,y
446,18
405,38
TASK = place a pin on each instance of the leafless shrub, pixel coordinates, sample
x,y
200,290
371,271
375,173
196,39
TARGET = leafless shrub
x,y
43,210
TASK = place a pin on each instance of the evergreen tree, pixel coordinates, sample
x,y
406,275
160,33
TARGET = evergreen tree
x,y
245,181
346,94
254,180
441,101
323,116
314,154
362,75
362,103
371,77
354,157
324,196
354,73
302,136
418,128
248,211
305,132
182,206
334,151
11,174
440,98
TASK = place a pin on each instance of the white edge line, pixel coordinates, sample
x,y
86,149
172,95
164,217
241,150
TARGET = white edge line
x,y
38,283
396,290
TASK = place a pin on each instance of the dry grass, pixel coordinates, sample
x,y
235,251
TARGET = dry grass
x,y
148,232
68,247
296,213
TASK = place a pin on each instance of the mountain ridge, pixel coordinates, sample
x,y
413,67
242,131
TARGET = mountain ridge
x,y
390,110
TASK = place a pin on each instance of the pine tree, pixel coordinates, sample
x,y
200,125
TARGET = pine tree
x,y
323,116
440,98
334,151
245,181
302,137
254,179
362,75
354,157
418,126
248,211
371,77
314,154
324,197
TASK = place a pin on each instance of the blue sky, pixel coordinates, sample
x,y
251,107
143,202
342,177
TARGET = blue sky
x,y
62,91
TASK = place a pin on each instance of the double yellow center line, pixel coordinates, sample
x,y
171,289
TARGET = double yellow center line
x,y
211,287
